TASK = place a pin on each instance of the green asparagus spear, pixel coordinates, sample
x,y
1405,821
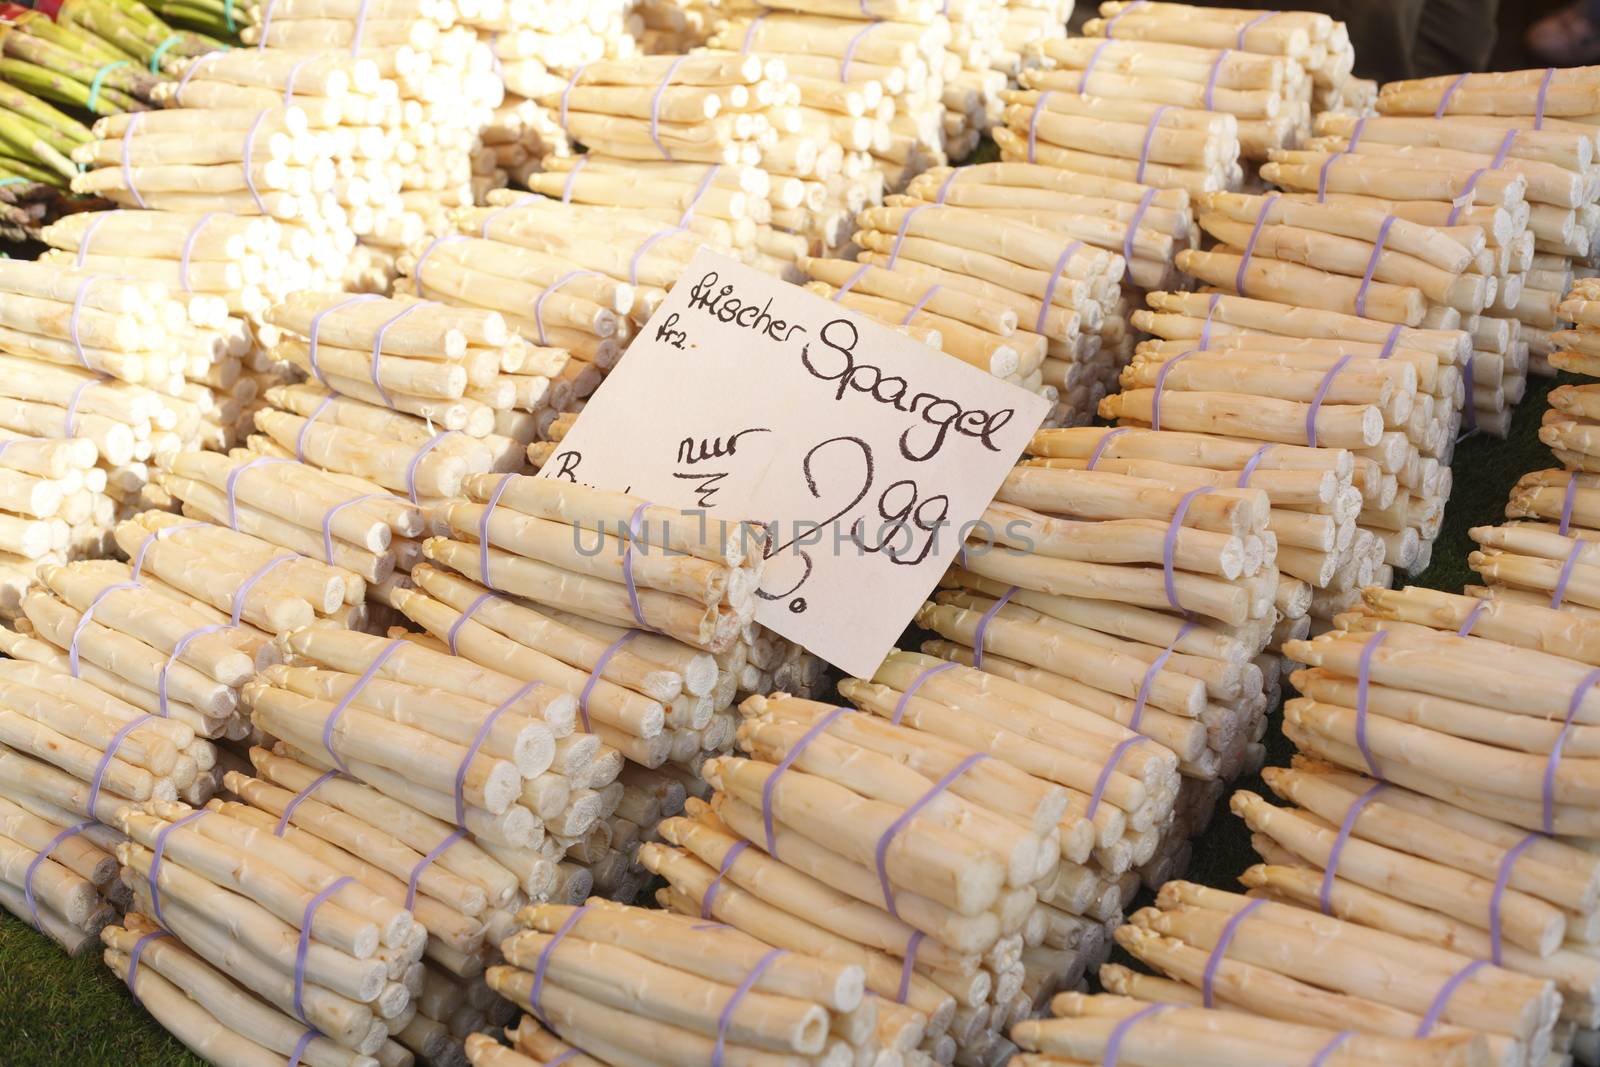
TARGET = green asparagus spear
x,y
41,81
14,99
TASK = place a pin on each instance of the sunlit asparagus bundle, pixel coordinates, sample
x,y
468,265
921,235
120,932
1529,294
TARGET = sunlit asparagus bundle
x,y
64,863
99,58
1576,347
1542,555
1023,23
52,489
1568,427
634,987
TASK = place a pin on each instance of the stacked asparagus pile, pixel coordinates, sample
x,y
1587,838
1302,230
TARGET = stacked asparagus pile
x,y
1024,25
45,480
632,987
1568,426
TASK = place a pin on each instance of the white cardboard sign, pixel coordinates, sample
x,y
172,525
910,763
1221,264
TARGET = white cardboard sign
x,y
866,451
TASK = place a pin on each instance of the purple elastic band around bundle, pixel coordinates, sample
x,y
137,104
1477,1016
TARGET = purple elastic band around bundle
x,y
416,460
455,628
416,271
538,304
157,850
850,49
327,522
1502,879
70,420
1465,198
1544,96
594,676
571,1053
88,235
188,249
304,948
1472,618
266,26
536,995
105,760
1251,464
981,633
699,191
1450,91
1559,593
360,28
655,107
1372,265
645,246
1548,788
900,234
483,527
1033,123
300,438
237,601
728,860
1363,684
83,621
1169,543
1238,42
881,852
1219,952
1111,23
1331,868
566,186
1205,327
1145,201
300,798
944,186
566,93
1250,245
1101,445
134,122
1161,381
377,347
1094,58
1392,340
1148,681
911,690
160,535
1050,286
750,35
1326,1052
1441,999
231,486
133,961
850,282
359,298
177,650
1568,503
38,861
301,1046
1322,395
288,83
1322,174
200,61
427,861
725,1019
1211,80
767,789
349,697
477,743
249,168
627,566
907,969
77,310
922,302
1120,1032
1150,136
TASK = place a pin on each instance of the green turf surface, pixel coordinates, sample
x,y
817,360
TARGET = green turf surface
x,y
56,1012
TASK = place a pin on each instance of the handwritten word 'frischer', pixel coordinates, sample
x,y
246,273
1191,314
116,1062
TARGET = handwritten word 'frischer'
x,y
722,305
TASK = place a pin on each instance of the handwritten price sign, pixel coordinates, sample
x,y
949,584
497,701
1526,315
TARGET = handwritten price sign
x,y
865,451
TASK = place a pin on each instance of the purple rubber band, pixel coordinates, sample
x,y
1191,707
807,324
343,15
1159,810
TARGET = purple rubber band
x,y
1472,180
1094,58
1100,446
1392,340
567,186
88,614
1145,201
1322,395
1111,23
750,35
981,634
1450,91
1331,869
911,690
916,308
360,29
231,486
571,1053
301,1046
300,438
327,522
294,72
69,423
249,151
88,235
1472,618
455,627
767,788
726,1018
1502,879
907,969
177,650
1322,175
1442,999
900,235
594,676
1050,286
1211,80
1169,544
644,246
127,167
699,192
377,348
538,304
850,49
483,527
1331,1047
1148,681
316,322
536,996
416,270
77,309
1250,246
1205,327
1033,124
38,861
1372,265
1549,785
1544,95
1251,464
627,566
188,249
200,61
1120,1032
304,948
300,798
1150,136
157,851
133,961
655,107
1238,42
349,697
1568,503
1363,683
728,860
1355,134
477,743
1559,594
1161,382
427,861
411,468
850,283
944,186
881,853
266,26
1219,952
566,94
160,535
